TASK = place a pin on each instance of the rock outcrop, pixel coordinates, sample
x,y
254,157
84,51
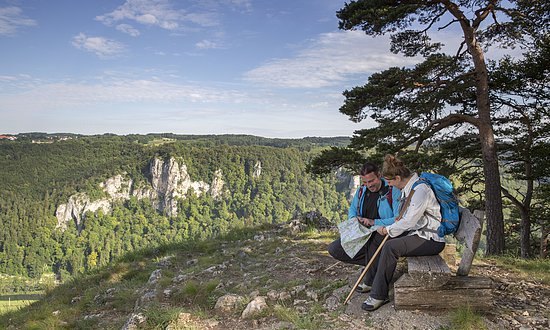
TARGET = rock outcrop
x,y
257,169
76,208
168,182
354,183
347,182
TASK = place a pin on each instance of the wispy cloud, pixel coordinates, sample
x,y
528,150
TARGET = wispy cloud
x,y
128,29
330,60
206,44
112,90
159,13
125,103
102,47
11,19
246,5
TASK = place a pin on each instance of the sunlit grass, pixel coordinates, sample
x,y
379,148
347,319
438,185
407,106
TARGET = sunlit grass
x,y
195,294
538,269
159,317
311,320
464,318
11,305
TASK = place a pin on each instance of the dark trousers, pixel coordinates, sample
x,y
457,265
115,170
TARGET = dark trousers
x,y
363,256
403,246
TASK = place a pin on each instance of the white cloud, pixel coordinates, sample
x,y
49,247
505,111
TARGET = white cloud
x,y
245,4
102,47
206,44
330,60
114,90
128,29
155,12
11,19
124,103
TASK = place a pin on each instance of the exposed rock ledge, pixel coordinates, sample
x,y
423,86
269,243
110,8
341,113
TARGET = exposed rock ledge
x,y
168,181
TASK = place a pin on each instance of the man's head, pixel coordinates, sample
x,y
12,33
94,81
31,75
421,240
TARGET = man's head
x,y
370,177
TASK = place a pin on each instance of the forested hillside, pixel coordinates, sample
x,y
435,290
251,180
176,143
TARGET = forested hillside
x,y
41,172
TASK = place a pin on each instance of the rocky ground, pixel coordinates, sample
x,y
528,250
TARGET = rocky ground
x,y
279,278
284,279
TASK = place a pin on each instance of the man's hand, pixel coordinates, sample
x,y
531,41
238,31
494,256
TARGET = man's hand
x,y
366,221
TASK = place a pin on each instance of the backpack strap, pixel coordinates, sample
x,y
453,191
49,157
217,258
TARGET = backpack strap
x,y
404,207
359,203
390,197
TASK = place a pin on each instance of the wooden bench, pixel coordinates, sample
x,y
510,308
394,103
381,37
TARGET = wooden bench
x,y
430,284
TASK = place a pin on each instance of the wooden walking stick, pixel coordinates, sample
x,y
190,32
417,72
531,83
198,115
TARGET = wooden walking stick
x,y
366,268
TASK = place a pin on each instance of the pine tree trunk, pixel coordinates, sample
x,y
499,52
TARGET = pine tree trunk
x,y
545,232
493,197
525,242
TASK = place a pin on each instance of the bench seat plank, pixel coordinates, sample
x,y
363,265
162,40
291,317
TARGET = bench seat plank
x,y
429,271
475,292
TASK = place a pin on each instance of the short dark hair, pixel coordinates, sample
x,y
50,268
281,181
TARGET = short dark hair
x,y
369,167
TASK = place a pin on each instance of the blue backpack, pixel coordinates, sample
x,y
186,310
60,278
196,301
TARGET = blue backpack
x,y
444,192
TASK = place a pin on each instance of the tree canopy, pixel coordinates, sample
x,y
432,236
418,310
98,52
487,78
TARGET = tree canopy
x,y
449,96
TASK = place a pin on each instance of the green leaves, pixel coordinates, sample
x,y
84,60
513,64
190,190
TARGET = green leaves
x,y
379,16
412,43
332,159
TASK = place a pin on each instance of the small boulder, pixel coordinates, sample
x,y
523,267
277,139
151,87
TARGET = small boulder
x,y
227,304
254,307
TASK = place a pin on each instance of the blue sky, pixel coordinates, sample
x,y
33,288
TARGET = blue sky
x,y
267,68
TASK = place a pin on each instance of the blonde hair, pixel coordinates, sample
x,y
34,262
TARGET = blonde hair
x,y
393,167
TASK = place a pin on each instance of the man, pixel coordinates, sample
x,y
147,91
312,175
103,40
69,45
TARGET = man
x,y
375,203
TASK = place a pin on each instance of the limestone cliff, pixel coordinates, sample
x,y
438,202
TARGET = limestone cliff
x,y
346,182
76,208
168,181
257,169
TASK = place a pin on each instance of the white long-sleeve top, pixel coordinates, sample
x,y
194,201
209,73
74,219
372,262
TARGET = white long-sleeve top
x,y
422,217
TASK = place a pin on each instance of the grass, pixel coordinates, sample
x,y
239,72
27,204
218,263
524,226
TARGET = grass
x,y
11,305
86,294
159,141
159,317
464,318
200,295
311,320
538,269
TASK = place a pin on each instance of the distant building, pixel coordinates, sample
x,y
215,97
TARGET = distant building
x,y
8,137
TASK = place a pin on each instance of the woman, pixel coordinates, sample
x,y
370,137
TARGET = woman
x,y
417,228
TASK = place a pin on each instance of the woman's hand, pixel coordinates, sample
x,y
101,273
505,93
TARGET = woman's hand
x,y
382,231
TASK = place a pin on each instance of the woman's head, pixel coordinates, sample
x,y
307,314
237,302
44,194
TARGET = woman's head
x,y
395,172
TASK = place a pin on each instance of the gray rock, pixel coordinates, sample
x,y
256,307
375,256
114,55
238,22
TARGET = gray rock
x,y
154,277
254,308
228,304
133,321
332,303
180,278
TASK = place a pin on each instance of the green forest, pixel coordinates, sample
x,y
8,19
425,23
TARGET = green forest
x,y
41,171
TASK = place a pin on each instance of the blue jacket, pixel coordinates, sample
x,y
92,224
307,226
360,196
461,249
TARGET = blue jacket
x,y
386,212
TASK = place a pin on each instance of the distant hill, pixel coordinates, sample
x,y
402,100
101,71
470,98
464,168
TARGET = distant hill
x,y
71,203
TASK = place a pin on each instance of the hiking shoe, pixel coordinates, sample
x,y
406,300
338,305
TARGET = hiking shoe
x,y
363,288
372,304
